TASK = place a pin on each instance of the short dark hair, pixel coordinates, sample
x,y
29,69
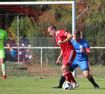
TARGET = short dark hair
x,y
78,33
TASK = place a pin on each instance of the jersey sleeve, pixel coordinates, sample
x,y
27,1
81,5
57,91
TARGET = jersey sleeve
x,y
61,35
86,44
66,33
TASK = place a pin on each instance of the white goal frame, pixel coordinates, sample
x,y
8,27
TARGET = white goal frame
x,y
43,3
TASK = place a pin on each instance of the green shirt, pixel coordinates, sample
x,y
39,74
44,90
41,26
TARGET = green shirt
x,y
3,38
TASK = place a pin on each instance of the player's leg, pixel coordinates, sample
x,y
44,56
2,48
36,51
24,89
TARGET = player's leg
x,y
3,68
67,62
61,81
2,62
86,72
62,78
67,74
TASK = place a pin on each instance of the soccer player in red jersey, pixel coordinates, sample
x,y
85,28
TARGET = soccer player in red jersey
x,y
68,53
81,60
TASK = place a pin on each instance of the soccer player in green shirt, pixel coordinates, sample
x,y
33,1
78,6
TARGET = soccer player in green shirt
x,y
3,39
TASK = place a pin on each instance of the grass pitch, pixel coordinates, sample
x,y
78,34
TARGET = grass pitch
x,y
38,85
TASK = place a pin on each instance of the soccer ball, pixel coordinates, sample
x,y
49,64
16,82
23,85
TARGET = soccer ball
x,y
67,86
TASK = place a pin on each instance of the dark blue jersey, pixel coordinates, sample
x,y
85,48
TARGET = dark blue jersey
x,y
82,43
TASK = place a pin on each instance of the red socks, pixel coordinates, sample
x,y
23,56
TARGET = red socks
x,y
69,77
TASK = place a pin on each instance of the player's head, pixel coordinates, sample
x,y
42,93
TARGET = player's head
x,y
78,34
52,30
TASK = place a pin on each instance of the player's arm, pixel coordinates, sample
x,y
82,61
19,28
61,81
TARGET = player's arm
x,y
59,58
9,47
69,37
88,51
6,41
12,51
87,48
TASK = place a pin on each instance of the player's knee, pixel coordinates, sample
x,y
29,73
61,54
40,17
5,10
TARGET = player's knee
x,y
65,68
86,74
2,61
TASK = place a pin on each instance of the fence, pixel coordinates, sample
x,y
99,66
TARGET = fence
x,y
40,61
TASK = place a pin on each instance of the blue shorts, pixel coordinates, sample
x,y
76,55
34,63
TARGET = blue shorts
x,y
83,65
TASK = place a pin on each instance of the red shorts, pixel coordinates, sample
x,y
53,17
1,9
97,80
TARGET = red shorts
x,y
68,57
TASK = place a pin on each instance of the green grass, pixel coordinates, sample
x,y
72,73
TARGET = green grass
x,y
39,85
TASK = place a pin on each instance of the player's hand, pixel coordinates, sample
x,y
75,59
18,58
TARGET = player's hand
x,y
58,62
13,52
59,42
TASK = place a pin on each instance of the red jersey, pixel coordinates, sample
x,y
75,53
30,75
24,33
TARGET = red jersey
x,y
60,36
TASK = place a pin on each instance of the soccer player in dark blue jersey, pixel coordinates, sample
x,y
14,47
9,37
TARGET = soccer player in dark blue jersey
x,y
81,60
